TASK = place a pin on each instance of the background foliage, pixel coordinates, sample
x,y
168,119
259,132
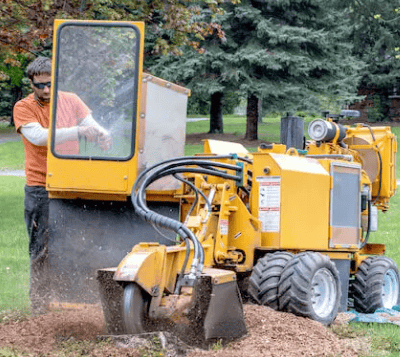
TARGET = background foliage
x,y
288,54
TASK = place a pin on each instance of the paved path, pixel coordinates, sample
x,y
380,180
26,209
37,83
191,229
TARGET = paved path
x,y
7,139
12,172
196,119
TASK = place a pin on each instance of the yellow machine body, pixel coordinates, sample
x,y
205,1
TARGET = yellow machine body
x,y
279,198
198,225
375,149
284,201
91,216
110,175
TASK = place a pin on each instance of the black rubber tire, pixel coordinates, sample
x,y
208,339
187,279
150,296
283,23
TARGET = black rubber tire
x,y
135,309
310,287
369,284
264,280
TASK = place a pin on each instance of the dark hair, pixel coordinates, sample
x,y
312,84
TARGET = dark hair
x,y
41,65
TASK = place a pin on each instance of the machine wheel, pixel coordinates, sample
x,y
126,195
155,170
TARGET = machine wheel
x,y
310,287
264,280
376,284
135,309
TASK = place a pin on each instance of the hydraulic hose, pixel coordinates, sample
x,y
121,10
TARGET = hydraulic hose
x,y
197,192
159,220
368,225
178,159
245,159
171,167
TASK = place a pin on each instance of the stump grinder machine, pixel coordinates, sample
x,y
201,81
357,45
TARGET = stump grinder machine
x,y
158,237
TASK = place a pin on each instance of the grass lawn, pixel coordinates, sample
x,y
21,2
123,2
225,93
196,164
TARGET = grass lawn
x,y
268,129
12,156
14,259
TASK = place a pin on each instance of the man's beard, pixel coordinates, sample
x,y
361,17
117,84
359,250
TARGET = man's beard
x,y
43,99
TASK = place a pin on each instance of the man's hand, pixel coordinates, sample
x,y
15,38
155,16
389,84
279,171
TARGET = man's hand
x,y
91,133
104,141
98,134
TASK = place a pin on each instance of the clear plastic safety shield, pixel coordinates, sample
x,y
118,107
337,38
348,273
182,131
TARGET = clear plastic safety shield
x,y
95,91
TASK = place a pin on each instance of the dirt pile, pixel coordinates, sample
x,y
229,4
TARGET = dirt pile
x,y
41,334
270,333
278,334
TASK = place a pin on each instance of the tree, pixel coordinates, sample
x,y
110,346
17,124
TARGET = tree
x,y
285,53
12,83
252,113
202,72
216,122
288,53
376,38
26,26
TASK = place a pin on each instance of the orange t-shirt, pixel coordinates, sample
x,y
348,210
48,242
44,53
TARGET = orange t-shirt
x,y
71,110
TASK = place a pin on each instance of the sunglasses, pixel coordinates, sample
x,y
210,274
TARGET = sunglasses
x,y
42,85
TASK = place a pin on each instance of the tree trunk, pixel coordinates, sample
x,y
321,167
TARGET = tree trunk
x,y
216,123
16,96
252,118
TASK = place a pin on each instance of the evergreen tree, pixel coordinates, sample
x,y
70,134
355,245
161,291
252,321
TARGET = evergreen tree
x,y
286,53
289,53
203,71
376,38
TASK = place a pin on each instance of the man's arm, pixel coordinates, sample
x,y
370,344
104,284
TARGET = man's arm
x,y
38,135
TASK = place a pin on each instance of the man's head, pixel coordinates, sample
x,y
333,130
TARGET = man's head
x,y
39,74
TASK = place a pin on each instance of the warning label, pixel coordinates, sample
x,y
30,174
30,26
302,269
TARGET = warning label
x,y
223,226
269,204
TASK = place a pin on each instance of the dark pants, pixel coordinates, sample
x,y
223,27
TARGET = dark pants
x,y
37,224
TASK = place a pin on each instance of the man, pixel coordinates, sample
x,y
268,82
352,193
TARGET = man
x,y
31,116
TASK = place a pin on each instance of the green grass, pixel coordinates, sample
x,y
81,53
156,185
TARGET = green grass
x,y
388,230
385,339
14,259
377,339
12,155
268,130
191,150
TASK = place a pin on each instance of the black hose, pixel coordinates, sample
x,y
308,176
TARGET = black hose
x,y
197,191
159,220
177,159
194,170
180,163
380,177
245,159
171,167
139,201
144,211
368,225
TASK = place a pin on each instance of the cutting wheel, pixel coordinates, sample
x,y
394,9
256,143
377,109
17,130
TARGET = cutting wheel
x,y
135,309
